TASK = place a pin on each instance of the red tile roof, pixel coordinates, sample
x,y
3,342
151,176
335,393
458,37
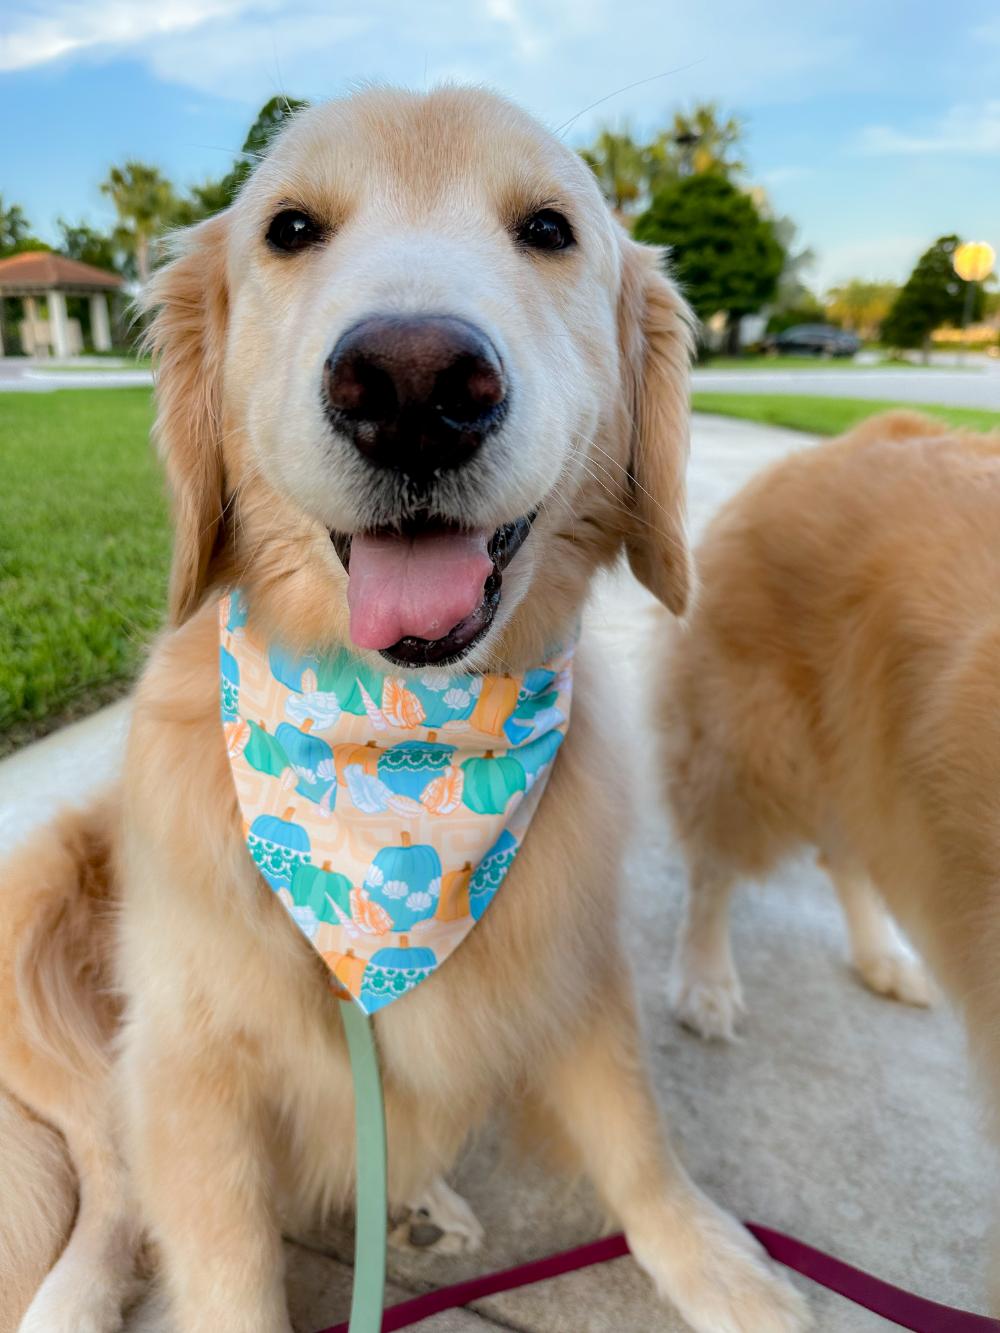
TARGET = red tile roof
x,y
42,269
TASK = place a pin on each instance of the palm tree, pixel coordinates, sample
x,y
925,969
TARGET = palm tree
x,y
698,140
617,162
146,205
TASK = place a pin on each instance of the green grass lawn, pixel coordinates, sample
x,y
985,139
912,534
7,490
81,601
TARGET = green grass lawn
x,y
84,539
84,545
827,416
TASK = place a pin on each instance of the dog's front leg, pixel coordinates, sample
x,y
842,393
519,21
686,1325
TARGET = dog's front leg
x,y
198,1145
700,1258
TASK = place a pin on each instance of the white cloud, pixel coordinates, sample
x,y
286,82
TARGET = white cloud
x,y
966,129
47,32
555,56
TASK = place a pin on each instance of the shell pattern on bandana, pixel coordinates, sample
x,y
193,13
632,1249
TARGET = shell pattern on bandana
x,y
384,810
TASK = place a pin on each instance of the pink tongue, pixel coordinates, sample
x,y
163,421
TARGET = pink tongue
x,y
420,586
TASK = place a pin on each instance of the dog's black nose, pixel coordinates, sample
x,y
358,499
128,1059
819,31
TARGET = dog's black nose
x,y
417,393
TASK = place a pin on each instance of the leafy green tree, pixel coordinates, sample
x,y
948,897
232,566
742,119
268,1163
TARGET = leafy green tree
x,y
933,295
15,232
146,205
14,228
861,306
723,252
83,242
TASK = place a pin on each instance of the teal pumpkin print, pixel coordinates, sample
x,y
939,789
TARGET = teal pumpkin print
x,y
490,782
288,669
490,872
392,972
446,699
264,753
338,674
316,888
229,677
278,847
306,754
534,755
407,768
406,881
343,675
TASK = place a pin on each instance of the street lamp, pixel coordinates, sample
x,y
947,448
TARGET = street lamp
x,y
973,261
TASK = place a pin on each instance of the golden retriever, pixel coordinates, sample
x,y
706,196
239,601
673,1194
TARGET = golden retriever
x,y
193,1057
836,684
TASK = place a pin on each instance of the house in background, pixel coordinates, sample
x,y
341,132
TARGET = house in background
x,y
37,276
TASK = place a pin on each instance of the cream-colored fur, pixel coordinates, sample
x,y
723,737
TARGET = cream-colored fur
x,y
227,1088
837,684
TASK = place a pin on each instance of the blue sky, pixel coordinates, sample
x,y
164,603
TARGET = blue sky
x,y
875,124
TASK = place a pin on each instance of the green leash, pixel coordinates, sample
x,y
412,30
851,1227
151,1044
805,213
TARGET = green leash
x,y
371,1206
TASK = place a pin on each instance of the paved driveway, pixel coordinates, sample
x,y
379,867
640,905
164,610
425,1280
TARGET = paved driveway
x,y
841,1117
19,375
978,387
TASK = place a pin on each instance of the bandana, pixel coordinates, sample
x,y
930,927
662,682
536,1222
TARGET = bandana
x,y
384,810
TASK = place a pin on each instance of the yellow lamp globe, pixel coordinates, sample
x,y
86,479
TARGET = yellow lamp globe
x,y
974,260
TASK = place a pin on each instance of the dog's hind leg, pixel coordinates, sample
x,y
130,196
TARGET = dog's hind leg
x,y
94,1278
57,1018
882,959
700,1258
705,990
37,1202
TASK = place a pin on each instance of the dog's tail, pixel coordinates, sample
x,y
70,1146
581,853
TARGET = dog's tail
x,y
57,1014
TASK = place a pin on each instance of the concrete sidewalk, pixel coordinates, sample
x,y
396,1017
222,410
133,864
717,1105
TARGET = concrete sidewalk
x,y
843,1118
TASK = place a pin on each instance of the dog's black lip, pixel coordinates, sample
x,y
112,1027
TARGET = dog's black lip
x,y
410,651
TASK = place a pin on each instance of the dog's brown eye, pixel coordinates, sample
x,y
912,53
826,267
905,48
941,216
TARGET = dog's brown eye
x,y
546,230
292,230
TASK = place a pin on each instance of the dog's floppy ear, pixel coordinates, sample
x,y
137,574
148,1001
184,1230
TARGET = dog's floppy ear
x,y
655,330
187,335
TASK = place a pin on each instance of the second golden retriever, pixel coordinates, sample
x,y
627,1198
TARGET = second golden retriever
x,y
837,684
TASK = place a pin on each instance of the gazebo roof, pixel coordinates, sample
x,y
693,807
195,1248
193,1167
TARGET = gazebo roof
x,y
37,271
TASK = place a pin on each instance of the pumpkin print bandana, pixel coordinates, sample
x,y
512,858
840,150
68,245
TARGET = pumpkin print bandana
x,y
384,810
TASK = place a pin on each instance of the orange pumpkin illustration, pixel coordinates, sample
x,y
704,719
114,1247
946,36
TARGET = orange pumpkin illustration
x,y
454,901
348,969
497,700
365,755
400,706
444,794
370,917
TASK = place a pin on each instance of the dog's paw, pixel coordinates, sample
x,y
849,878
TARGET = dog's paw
x,y
898,976
439,1221
722,1282
65,1310
710,1005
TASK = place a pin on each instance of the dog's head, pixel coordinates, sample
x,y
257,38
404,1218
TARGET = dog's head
x,y
416,384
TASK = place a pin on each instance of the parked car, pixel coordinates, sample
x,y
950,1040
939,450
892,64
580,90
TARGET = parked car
x,y
813,340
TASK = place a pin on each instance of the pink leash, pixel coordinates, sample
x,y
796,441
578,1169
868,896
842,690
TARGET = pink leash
x,y
871,1293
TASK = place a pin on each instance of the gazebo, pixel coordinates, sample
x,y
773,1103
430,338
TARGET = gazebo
x,y
39,273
